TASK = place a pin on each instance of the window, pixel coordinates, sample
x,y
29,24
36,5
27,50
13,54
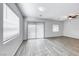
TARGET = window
x,y
55,28
10,24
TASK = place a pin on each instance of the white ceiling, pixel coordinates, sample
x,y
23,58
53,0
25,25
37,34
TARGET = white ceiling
x,y
56,11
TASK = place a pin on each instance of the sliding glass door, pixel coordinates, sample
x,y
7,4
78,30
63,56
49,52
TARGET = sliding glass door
x,y
31,31
35,30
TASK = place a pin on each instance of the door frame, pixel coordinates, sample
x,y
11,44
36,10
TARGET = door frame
x,y
35,23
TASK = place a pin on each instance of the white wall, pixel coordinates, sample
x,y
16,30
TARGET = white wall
x,y
71,28
48,29
11,47
1,22
48,26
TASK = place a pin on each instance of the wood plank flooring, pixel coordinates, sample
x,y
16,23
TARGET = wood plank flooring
x,y
60,46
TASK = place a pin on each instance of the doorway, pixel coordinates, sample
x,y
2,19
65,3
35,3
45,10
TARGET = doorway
x,y
35,30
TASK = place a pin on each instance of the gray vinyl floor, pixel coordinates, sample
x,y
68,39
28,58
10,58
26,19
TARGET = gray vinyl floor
x,y
60,46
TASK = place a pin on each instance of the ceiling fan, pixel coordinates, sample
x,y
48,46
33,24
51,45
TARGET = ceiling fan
x,y
73,16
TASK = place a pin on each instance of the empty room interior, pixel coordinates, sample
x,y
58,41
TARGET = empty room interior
x,y
39,29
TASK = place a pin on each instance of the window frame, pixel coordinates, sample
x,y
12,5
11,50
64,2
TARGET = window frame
x,y
13,36
55,28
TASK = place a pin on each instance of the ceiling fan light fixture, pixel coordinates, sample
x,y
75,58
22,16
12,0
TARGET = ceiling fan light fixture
x,y
70,18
